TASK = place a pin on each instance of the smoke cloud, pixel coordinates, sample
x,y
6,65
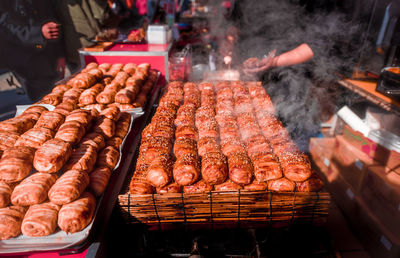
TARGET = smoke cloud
x,y
301,92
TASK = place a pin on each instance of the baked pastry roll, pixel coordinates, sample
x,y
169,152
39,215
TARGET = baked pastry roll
x,y
16,163
71,132
50,120
95,140
52,155
159,173
83,80
122,125
139,184
104,67
53,98
125,107
19,124
99,179
5,193
256,186
129,68
125,96
108,157
75,216
240,169
61,88
112,113
115,141
198,187
121,77
82,159
183,146
296,167
65,108
266,166
208,144
214,168
106,127
82,116
35,109
281,185
33,189
97,73
8,139
35,137
140,100
10,221
91,65
89,95
313,184
106,97
186,169
228,185
40,220
68,187
170,188
72,95
98,107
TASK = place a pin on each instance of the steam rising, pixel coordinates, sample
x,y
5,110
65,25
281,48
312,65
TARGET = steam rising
x,y
300,91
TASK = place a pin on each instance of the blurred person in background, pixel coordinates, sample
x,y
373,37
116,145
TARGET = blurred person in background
x,y
81,21
29,45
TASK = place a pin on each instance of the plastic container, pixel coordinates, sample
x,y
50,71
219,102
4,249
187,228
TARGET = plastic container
x,y
158,34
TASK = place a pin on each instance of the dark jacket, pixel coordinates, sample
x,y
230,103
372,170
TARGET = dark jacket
x,y
23,49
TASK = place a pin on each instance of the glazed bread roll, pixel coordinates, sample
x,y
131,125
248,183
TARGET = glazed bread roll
x,y
82,159
75,216
105,127
183,146
125,96
33,189
53,98
61,88
198,187
214,169
313,184
88,96
82,116
35,109
281,185
122,125
83,80
116,142
16,163
99,179
256,186
8,139
72,95
139,184
10,221
40,220
104,67
112,113
296,167
228,185
19,124
52,155
35,137
65,108
159,173
5,194
170,188
95,140
68,187
240,169
108,157
71,131
186,169
266,167
50,120
97,73
106,97
208,144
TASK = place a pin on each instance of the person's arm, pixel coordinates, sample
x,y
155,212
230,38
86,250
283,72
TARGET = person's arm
x,y
299,55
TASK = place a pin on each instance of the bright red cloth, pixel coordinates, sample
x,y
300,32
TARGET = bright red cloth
x,y
141,6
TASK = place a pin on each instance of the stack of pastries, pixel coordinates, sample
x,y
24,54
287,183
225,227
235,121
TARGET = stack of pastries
x,y
219,137
100,86
53,166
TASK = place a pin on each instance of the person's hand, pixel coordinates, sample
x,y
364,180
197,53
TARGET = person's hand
x,y
253,66
50,30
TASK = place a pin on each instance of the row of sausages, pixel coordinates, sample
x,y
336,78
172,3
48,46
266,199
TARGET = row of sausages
x,y
225,137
